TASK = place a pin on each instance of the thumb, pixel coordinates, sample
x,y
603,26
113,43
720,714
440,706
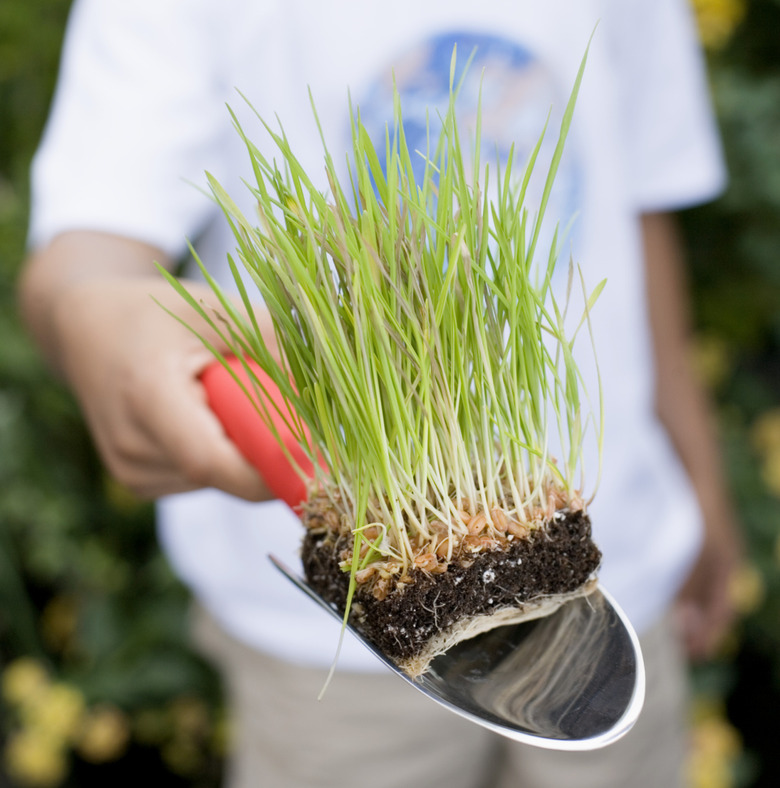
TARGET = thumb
x,y
197,442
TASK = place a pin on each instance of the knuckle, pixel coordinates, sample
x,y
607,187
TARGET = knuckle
x,y
118,458
198,470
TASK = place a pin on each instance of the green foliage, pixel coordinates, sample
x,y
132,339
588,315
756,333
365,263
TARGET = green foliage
x,y
735,275
421,360
83,589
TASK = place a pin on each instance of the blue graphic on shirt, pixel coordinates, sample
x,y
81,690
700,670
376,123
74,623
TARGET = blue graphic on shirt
x,y
518,93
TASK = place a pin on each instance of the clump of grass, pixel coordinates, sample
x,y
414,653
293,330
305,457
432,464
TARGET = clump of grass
x,y
424,355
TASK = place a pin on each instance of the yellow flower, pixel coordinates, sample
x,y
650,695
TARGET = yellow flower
x,y
765,437
711,360
705,773
23,679
718,738
770,472
715,746
765,432
33,759
57,712
717,20
747,589
104,735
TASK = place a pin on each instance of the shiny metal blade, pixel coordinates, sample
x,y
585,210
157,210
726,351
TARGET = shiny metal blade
x,y
573,680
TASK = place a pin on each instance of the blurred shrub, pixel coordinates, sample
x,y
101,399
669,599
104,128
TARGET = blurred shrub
x,y
736,286
98,683
93,626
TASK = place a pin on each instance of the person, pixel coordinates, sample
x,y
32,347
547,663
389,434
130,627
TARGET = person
x,y
138,117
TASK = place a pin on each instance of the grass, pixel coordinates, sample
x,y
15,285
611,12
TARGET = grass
x,y
422,347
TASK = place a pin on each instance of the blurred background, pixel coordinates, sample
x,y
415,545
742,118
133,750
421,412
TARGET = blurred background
x,y
97,683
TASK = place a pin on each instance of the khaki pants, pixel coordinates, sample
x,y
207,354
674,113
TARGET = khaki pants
x,y
374,731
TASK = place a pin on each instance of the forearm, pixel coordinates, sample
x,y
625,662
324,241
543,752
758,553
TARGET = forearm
x,y
704,605
682,404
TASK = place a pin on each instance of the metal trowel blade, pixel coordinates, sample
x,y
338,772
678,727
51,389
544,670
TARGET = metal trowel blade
x,y
573,680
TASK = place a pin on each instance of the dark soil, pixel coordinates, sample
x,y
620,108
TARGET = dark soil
x,y
556,559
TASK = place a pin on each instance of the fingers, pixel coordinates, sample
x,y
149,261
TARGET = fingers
x,y
196,443
151,472
701,633
162,438
704,611
241,480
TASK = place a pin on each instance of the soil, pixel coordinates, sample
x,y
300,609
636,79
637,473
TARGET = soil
x,y
557,558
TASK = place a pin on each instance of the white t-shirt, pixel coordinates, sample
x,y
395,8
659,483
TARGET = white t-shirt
x,y
140,114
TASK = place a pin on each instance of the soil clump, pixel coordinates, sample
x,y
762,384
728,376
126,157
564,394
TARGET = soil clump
x,y
424,613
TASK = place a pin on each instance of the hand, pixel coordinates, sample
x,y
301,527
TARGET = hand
x,y
133,367
704,608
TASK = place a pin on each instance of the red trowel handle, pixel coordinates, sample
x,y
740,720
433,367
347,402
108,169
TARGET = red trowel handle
x,y
247,429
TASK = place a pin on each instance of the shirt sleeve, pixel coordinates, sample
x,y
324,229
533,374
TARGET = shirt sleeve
x,y
674,152
138,115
